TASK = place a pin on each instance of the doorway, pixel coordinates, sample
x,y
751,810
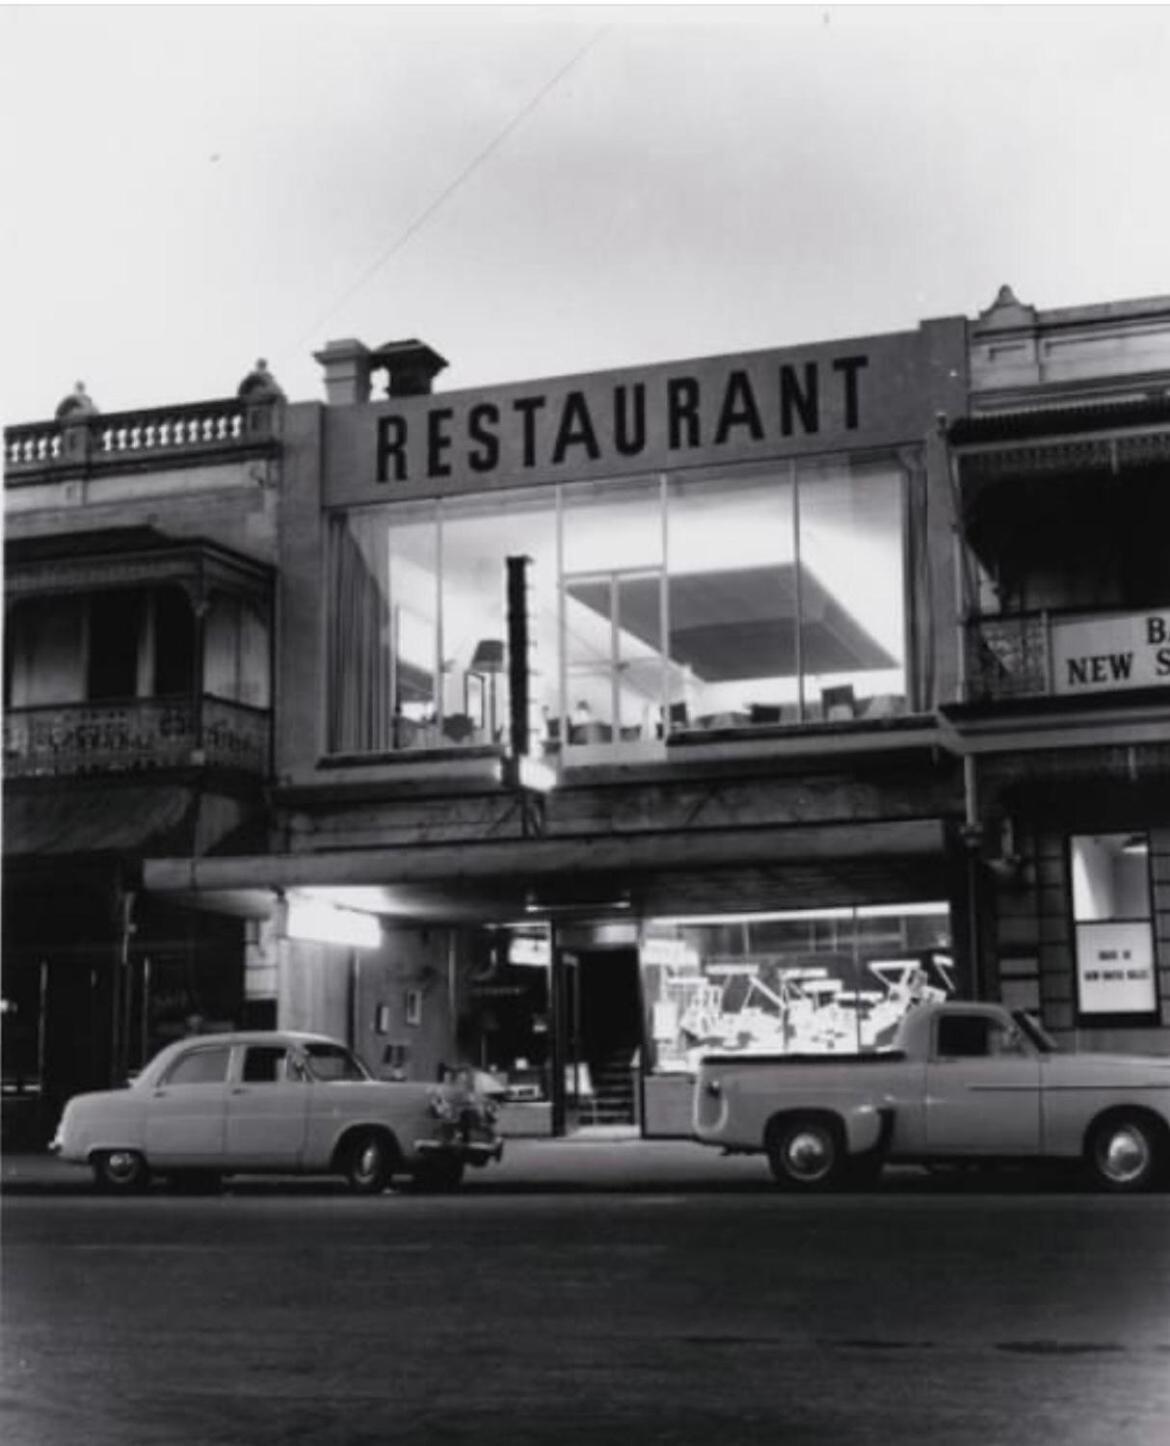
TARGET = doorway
x,y
604,1035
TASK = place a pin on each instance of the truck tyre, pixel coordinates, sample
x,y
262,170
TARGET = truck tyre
x,y
120,1172
807,1152
1125,1152
368,1162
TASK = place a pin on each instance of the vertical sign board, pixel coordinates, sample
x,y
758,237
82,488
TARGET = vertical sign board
x,y
1115,968
1105,653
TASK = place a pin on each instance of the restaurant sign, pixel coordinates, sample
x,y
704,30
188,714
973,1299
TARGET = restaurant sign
x,y
867,392
1107,653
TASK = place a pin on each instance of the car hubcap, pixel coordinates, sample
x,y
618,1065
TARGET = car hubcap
x,y
122,1166
1125,1155
809,1155
368,1161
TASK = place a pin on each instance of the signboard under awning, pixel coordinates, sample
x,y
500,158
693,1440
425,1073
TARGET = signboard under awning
x,y
1107,653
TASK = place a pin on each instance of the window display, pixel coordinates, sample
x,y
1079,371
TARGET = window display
x,y
807,982
1114,930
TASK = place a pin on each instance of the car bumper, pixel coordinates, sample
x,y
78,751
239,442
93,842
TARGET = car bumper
x,y
471,1152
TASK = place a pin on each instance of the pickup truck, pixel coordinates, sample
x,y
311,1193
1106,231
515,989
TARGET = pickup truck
x,y
961,1083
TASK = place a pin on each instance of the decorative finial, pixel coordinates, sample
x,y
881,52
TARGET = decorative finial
x,y
77,404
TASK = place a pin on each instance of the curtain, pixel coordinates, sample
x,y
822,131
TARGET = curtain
x,y
360,710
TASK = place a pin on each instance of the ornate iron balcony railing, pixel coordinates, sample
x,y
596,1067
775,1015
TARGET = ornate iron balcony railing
x,y
138,735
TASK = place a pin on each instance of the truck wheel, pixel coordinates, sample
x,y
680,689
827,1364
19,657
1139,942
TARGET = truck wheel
x,y
121,1172
806,1153
439,1176
1124,1153
368,1163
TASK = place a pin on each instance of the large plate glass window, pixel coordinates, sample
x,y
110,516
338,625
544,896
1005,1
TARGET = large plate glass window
x,y
1116,977
809,981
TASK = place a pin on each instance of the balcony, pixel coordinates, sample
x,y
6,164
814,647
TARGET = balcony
x,y
136,736
1068,654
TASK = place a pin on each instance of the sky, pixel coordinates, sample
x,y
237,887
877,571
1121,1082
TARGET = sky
x,y
542,190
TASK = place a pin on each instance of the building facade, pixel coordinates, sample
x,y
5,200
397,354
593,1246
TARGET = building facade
x,y
738,701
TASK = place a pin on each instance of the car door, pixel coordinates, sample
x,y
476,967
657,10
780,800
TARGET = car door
x,y
267,1109
983,1084
186,1108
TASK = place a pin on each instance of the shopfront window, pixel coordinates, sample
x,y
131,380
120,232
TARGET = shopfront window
x,y
662,607
1116,978
806,982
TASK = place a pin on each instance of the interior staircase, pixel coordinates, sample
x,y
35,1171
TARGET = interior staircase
x,y
613,1090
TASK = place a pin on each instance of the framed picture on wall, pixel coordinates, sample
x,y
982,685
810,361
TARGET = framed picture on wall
x,y
413,1006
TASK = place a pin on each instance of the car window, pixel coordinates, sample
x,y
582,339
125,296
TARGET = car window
x,y
208,1065
329,1062
264,1064
963,1036
976,1036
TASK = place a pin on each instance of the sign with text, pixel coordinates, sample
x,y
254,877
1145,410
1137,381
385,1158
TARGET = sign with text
x,y
871,391
1103,654
1115,968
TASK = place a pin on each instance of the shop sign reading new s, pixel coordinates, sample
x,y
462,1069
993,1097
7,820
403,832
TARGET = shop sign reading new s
x,y
1106,653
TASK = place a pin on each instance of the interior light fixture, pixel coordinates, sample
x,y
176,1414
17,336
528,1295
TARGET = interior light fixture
x,y
320,922
1136,843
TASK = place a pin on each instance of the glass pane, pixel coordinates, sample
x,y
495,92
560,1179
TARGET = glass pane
x,y
851,580
202,1066
613,547
478,535
732,602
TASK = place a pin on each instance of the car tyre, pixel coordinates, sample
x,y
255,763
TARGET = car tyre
x,y
369,1163
439,1176
120,1172
1125,1153
807,1153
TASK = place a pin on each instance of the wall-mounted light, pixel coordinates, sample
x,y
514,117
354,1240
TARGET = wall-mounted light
x,y
321,922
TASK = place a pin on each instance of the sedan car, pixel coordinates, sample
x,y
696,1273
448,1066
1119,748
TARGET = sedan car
x,y
276,1103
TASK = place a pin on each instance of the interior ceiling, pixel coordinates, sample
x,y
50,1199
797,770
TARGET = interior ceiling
x,y
729,624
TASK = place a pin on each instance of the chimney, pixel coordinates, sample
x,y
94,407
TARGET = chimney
x,y
411,366
347,371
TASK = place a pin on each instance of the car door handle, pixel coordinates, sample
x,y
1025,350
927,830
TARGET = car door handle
x,y
239,1090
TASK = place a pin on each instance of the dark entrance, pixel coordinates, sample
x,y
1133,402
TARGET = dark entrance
x,y
604,1034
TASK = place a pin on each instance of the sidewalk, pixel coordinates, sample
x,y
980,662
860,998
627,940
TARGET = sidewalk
x,y
589,1160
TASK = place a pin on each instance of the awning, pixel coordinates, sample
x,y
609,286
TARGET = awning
x,y
454,867
127,818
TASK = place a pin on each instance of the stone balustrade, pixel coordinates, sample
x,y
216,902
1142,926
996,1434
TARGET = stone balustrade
x,y
135,736
159,435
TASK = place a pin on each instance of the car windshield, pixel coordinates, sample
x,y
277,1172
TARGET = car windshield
x,y
1035,1031
330,1062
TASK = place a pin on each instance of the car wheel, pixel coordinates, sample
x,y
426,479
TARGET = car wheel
x,y
1124,1153
806,1153
121,1171
439,1175
369,1163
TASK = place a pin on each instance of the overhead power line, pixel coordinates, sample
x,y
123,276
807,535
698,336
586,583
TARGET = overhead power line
x,y
472,166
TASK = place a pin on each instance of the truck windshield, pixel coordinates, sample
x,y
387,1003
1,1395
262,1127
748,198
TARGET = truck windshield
x,y
1035,1031
329,1062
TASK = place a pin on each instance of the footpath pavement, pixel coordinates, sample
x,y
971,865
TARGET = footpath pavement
x,y
579,1162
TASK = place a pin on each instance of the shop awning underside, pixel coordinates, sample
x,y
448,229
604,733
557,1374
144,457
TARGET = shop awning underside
x,y
793,867
98,820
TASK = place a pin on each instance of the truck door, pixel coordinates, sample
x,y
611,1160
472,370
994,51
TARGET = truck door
x,y
982,1088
